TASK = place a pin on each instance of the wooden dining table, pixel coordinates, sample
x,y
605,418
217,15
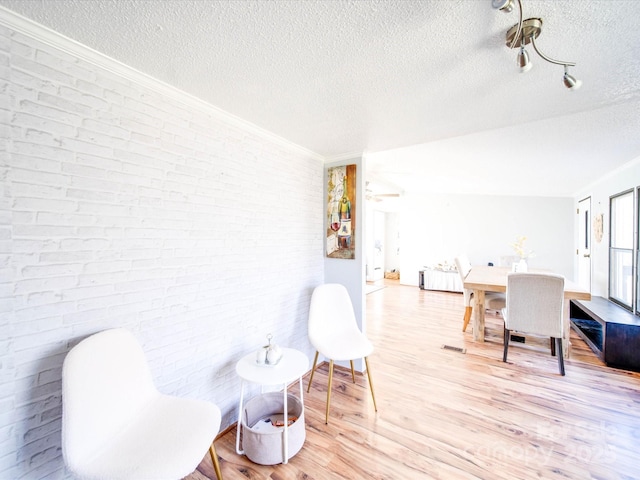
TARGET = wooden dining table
x,y
483,279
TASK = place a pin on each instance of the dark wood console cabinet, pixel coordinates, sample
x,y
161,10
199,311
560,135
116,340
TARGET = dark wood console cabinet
x,y
612,332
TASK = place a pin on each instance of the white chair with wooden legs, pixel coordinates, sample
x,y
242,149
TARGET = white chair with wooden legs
x,y
334,333
535,305
115,423
492,300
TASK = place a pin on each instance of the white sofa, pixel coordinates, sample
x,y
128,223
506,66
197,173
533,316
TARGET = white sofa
x,y
440,277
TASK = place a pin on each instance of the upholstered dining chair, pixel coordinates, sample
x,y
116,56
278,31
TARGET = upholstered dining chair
x,y
492,300
334,333
115,423
535,305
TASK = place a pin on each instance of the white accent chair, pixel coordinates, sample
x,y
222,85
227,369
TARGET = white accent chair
x,y
115,423
492,300
334,333
535,305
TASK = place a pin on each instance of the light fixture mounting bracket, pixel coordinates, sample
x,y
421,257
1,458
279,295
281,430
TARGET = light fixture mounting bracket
x,y
531,28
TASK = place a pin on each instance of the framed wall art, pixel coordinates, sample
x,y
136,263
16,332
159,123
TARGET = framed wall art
x,y
341,212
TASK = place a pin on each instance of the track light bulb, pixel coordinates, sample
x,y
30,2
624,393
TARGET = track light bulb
x,y
570,82
505,5
523,60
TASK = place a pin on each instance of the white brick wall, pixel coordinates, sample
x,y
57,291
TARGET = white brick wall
x,y
123,207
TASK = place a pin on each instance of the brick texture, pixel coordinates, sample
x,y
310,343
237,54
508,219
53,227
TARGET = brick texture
x,y
122,207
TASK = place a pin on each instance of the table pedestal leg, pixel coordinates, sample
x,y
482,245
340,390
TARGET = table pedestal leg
x,y
301,399
239,426
285,433
285,436
478,317
566,335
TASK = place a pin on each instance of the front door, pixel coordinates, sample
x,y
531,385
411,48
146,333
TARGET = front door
x,y
378,246
584,244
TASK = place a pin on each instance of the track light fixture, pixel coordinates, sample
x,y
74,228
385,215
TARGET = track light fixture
x,y
524,33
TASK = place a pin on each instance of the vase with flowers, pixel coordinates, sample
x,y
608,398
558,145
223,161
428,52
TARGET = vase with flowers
x,y
523,253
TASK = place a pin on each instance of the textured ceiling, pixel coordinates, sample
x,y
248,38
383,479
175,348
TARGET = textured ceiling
x,y
427,89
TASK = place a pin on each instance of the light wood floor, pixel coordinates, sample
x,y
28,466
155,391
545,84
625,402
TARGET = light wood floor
x,y
448,415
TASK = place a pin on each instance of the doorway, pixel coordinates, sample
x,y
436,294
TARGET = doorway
x,y
584,243
375,240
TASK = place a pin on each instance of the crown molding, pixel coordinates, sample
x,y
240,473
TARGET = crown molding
x,y
588,189
343,157
50,37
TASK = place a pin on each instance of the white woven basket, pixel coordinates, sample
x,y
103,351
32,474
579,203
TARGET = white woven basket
x,y
263,443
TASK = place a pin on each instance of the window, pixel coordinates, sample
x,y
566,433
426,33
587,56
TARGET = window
x,y
637,309
621,245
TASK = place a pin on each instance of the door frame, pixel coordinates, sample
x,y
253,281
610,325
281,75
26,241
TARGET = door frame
x,y
585,241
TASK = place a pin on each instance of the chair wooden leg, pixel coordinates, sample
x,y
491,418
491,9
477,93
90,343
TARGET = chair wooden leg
x,y
552,344
216,462
326,418
353,372
507,336
373,395
467,317
560,355
313,370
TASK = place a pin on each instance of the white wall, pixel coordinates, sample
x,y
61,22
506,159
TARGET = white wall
x,y
617,181
123,206
438,227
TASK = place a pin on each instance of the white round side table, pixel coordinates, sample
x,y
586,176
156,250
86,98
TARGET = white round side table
x,y
293,365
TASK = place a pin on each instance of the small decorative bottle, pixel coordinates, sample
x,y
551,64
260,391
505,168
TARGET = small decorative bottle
x,y
521,266
269,354
344,234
